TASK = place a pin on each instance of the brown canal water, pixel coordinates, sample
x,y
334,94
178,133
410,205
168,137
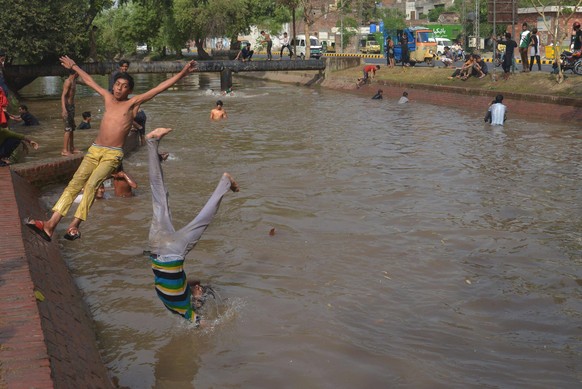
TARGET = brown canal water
x,y
415,247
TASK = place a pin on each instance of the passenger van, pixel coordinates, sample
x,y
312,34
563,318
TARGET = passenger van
x,y
441,43
299,44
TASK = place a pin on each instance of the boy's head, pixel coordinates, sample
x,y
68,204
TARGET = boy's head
x,y
122,85
23,108
86,115
123,65
405,94
508,35
219,104
262,32
248,45
524,26
498,98
100,194
377,67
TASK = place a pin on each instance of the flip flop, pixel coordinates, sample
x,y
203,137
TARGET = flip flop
x,y
75,236
38,227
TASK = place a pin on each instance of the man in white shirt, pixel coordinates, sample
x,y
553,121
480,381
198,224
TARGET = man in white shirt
x,y
497,112
285,43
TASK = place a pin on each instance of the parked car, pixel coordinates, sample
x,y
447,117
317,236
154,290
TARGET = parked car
x,y
315,48
141,48
441,43
328,46
370,47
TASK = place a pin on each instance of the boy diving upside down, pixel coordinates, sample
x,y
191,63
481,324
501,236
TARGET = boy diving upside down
x,y
168,246
106,153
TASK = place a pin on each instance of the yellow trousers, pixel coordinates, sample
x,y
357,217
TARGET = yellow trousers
x,y
97,165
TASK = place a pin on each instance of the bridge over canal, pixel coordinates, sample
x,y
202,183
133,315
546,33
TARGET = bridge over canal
x,y
19,76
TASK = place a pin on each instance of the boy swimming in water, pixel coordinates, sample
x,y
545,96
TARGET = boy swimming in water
x,y
106,153
170,247
218,112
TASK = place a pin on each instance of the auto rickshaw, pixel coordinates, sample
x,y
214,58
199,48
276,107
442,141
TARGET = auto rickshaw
x,y
422,45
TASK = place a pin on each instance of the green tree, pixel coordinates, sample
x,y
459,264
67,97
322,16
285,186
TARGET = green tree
x,y
393,18
348,29
560,32
433,14
39,31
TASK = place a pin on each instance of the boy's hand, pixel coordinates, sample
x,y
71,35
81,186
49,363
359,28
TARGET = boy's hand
x,y
67,62
191,66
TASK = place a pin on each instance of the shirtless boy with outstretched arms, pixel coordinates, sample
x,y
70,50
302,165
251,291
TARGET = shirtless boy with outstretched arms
x,y
106,153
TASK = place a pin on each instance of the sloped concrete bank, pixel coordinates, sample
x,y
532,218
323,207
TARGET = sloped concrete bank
x,y
526,106
47,337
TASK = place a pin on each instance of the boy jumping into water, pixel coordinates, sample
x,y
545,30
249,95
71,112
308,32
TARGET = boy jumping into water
x,y
168,246
106,153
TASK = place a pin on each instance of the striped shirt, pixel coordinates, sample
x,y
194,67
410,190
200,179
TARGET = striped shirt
x,y
171,285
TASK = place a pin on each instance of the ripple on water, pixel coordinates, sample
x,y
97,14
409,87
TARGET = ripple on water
x,y
414,246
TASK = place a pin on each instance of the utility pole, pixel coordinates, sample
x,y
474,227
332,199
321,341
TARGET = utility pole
x,y
495,41
464,20
341,27
513,34
476,26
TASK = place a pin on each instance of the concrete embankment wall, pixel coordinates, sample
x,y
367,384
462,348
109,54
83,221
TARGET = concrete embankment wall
x,y
526,106
47,337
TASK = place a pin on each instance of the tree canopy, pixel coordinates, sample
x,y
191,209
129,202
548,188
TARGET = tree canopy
x,y
39,31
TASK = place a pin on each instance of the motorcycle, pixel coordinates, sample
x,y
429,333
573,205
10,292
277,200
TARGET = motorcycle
x,y
571,61
498,59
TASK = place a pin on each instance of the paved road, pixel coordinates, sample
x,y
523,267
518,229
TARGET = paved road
x,y
547,68
382,61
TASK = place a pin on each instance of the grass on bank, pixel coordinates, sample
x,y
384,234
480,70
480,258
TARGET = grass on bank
x,y
540,83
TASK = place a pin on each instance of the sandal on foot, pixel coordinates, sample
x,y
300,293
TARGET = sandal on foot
x,y
72,235
38,227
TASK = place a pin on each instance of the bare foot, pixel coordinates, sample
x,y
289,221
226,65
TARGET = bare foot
x,y
163,156
65,153
158,133
233,185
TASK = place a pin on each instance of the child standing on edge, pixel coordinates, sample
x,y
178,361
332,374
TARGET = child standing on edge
x,y
68,108
106,153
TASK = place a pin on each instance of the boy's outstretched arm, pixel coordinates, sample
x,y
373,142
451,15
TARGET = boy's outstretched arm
x,y
68,63
188,68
